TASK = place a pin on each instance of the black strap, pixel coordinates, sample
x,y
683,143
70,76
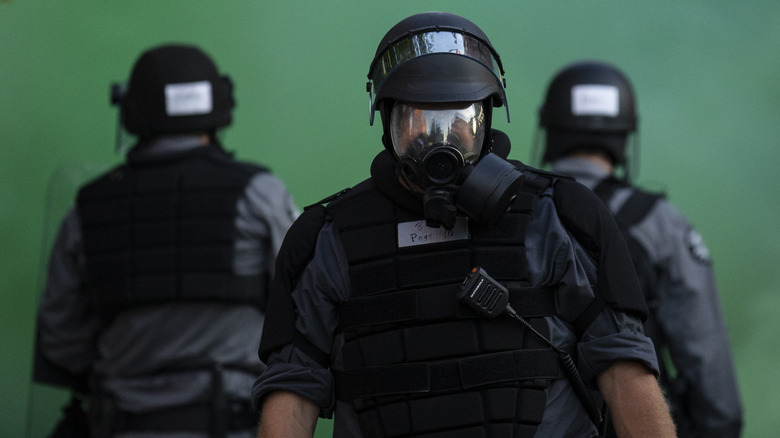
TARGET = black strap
x,y
636,207
633,211
588,315
423,377
189,418
607,188
295,253
593,225
302,343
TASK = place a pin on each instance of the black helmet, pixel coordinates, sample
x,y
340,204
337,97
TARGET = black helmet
x,y
434,57
588,104
435,79
175,89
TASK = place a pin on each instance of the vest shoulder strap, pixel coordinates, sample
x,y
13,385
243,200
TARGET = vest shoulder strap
x,y
592,224
637,206
296,252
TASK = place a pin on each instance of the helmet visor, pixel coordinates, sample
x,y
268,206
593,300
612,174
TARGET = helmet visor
x,y
428,43
416,129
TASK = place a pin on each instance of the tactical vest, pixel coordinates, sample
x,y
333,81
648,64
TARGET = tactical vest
x,y
419,363
164,230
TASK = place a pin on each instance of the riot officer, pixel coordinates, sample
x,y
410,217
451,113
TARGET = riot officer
x,y
450,294
589,120
158,279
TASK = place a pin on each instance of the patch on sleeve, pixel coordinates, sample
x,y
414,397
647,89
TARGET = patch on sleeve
x,y
696,246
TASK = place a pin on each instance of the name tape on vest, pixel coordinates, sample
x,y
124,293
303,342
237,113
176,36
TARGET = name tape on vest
x,y
418,233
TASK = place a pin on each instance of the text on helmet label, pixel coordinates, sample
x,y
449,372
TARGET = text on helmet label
x,y
595,100
188,99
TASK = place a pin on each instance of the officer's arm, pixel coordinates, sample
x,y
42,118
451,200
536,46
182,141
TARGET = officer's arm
x,y
67,325
287,415
635,401
690,316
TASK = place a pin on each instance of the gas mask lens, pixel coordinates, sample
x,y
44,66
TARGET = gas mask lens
x,y
417,130
434,142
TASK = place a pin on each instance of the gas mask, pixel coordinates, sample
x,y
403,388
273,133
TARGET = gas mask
x,y
438,147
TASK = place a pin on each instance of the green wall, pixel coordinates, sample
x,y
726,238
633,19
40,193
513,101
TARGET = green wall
x,y
706,73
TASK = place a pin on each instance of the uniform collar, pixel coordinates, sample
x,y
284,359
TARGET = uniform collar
x,y
583,170
167,144
171,148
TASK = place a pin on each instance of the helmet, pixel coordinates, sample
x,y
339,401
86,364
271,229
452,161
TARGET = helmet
x,y
175,89
435,79
434,57
588,104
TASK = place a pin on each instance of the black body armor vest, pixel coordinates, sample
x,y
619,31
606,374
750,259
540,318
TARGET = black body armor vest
x,y
163,229
418,362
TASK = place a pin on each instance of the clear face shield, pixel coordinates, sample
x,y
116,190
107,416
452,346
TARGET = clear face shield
x,y
434,142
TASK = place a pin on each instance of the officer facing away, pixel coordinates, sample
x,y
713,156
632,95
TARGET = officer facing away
x,y
158,279
453,294
589,114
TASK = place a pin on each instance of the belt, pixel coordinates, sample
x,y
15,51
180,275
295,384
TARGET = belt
x,y
238,415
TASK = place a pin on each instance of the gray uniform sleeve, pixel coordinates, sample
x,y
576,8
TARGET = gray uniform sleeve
x,y
690,317
67,326
265,213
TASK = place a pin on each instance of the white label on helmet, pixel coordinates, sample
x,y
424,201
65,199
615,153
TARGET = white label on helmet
x,y
595,100
418,233
188,99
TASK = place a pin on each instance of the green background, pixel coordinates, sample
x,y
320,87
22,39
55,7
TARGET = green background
x,y
705,71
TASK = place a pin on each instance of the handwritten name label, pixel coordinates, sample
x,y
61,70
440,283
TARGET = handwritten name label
x,y
417,233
